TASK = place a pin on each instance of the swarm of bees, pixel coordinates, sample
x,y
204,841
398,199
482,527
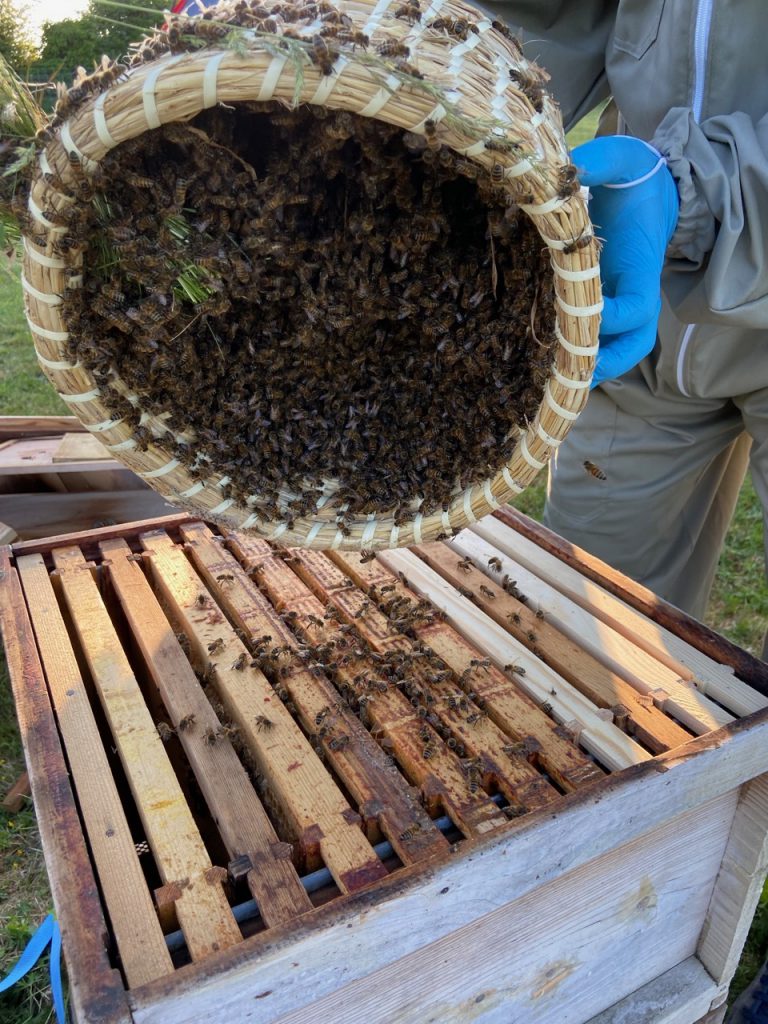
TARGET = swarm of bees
x,y
369,307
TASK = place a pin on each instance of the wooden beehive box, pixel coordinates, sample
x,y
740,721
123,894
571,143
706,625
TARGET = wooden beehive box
x,y
269,789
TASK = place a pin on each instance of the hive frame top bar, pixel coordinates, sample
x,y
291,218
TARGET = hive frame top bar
x,y
177,87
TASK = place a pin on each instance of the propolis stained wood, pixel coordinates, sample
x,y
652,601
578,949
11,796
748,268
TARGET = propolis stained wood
x,y
401,780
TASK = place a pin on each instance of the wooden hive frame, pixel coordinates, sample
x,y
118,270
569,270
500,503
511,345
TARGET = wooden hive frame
x,y
486,106
629,898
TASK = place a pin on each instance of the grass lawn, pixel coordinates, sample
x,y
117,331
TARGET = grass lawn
x,y
739,609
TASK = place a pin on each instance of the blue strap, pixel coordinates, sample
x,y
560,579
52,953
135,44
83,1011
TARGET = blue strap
x,y
48,932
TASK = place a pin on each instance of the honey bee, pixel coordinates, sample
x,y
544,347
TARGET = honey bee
x,y
201,601
594,470
487,591
546,707
410,833
465,564
321,53
539,613
581,242
567,182
186,723
494,563
392,48
211,737
263,723
514,618
240,662
338,742
367,556
515,669
216,645
164,731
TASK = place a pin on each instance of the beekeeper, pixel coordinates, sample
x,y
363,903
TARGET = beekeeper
x,y
680,197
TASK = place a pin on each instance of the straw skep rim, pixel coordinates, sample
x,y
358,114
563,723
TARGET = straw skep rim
x,y
468,94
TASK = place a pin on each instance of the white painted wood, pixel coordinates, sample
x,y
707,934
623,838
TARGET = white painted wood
x,y
599,736
739,886
711,678
557,955
676,696
481,878
679,996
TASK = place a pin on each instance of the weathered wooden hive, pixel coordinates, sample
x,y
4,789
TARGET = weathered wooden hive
x,y
344,335
486,779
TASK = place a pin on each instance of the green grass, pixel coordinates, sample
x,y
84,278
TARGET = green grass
x,y
739,610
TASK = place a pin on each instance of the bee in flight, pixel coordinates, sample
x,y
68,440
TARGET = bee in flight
x,y
594,470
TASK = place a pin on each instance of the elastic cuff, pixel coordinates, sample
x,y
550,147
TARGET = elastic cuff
x,y
694,235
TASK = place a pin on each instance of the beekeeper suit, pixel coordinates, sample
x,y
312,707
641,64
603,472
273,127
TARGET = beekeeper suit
x,y
672,434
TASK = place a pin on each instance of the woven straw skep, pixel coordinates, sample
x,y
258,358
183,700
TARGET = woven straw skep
x,y
468,93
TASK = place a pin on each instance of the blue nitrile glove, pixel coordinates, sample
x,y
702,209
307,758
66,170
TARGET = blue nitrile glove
x,y
634,208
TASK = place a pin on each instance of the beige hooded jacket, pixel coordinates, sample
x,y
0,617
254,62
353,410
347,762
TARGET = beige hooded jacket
x,y
691,77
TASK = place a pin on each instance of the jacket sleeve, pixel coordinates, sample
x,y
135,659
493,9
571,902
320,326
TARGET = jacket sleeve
x,y
721,168
569,40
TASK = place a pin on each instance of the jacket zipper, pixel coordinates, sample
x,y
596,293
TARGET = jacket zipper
x,y
701,35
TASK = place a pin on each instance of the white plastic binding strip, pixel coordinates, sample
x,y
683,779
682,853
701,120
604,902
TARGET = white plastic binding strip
x,y
222,507
445,519
474,150
193,490
329,82
570,382
337,540
567,414
278,531
315,529
70,146
375,17
499,100
100,122
271,78
381,98
37,214
162,471
518,169
489,495
553,442
55,364
393,535
44,261
98,428
527,455
468,506
151,113
210,79
417,521
538,119
575,275
223,482
368,533
123,446
509,480
578,311
85,396
45,333
46,297
458,51
249,521
576,350
555,203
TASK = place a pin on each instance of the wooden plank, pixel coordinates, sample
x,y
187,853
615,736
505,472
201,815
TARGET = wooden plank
x,y
710,677
7,534
600,737
25,456
17,795
512,709
678,697
454,710
190,881
231,798
413,913
739,884
678,996
143,952
319,816
443,783
36,516
386,803
677,622
96,990
81,447
88,540
557,955
646,722
32,426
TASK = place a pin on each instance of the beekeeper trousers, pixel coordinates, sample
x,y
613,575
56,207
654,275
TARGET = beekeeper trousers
x,y
673,439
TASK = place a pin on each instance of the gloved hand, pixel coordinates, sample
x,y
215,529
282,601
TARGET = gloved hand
x,y
634,208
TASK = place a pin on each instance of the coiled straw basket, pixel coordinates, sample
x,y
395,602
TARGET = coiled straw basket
x,y
466,90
